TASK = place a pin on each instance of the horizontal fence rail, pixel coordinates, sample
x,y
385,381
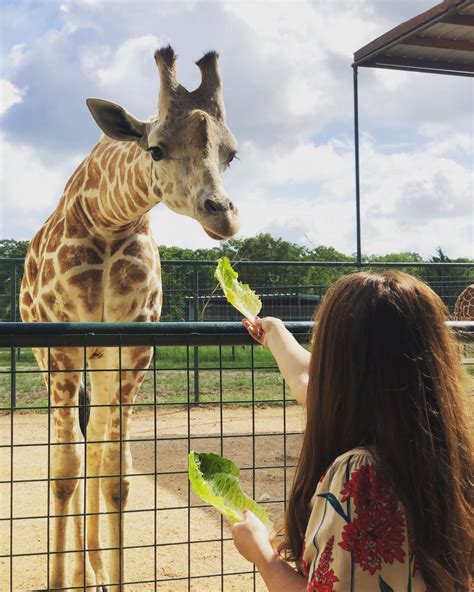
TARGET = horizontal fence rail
x,y
171,541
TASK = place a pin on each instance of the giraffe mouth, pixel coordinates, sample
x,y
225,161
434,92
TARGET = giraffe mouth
x,y
213,235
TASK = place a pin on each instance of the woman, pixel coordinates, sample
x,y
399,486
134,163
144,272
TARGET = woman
x,y
382,498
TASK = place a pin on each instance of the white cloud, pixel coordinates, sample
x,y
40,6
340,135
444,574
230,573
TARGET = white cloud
x,y
9,95
16,55
30,188
126,65
288,92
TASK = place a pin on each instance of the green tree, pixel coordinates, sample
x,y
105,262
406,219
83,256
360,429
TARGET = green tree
x,y
10,248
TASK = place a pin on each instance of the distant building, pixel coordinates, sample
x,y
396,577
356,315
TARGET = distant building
x,y
289,307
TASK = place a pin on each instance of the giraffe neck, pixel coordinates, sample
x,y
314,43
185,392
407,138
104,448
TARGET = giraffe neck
x,y
111,192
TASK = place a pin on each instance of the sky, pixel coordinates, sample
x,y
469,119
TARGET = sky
x,y
287,76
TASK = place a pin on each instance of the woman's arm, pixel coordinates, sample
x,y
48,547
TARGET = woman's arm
x,y
251,540
291,357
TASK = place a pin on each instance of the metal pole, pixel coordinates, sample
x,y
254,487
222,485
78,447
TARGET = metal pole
x,y
357,174
13,350
196,349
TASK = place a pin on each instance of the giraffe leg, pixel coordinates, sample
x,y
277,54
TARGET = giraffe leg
x,y
100,381
83,574
65,464
117,458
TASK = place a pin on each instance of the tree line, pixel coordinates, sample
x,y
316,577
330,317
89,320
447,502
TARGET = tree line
x,y
183,282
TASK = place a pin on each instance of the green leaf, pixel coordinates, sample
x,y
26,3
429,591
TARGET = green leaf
x,y
384,587
215,480
335,504
241,296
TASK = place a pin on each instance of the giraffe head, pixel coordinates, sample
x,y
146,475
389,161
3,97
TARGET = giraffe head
x,y
186,148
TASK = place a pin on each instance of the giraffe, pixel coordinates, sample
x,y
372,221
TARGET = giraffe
x,y
464,307
95,259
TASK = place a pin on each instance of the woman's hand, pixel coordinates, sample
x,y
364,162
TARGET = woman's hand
x,y
252,542
251,538
260,329
292,359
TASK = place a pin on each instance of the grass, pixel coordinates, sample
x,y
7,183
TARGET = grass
x,y
172,376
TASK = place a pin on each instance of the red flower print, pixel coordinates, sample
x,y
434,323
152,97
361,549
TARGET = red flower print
x,y
376,533
323,577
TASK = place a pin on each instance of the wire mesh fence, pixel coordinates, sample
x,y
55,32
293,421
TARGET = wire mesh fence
x,y
170,540
289,289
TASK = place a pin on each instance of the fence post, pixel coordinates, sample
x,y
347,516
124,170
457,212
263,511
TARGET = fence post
x,y
195,314
13,351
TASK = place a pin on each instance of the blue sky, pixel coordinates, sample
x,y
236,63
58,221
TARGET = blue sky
x,y
288,93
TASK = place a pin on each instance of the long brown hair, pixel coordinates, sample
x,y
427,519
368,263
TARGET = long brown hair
x,y
385,374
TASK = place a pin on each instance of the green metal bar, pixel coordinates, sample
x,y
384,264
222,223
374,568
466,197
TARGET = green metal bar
x,y
108,334
357,167
195,315
13,378
13,293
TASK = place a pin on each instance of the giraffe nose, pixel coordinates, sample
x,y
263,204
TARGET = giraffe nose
x,y
218,206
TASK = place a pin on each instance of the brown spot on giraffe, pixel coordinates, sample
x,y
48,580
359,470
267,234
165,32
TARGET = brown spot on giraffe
x,y
27,300
47,271
93,175
138,352
125,275
100,245
89,284
140,181
127,389
75,227
44,315
133,154
61,359
77,179
168,188
112,166
117,245
70,257
152,298
56,237
31,270
50,299
134,249
143,227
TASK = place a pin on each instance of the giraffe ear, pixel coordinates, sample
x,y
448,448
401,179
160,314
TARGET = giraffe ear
x,y
115,122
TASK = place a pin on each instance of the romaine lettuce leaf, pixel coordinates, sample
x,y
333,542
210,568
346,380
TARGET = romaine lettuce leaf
x,y
215,480
241,296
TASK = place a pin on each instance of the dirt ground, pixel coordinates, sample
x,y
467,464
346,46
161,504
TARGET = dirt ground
x,y
172,516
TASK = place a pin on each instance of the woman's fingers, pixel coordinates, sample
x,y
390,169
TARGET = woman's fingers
x,y
255,329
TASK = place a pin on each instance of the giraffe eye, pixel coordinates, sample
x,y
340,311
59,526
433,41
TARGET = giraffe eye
x,y
231,158
157,152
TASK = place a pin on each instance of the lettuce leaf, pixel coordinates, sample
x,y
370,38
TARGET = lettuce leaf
x,y
241,296
215,480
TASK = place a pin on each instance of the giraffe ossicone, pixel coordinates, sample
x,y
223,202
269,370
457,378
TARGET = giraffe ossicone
x,y
95,259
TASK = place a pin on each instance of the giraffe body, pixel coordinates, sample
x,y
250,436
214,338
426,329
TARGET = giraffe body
x,y
95,260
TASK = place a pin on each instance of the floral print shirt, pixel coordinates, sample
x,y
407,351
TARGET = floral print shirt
x,y
356,539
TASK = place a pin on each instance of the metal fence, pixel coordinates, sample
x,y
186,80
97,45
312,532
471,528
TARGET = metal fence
x,y
289,289
171,540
